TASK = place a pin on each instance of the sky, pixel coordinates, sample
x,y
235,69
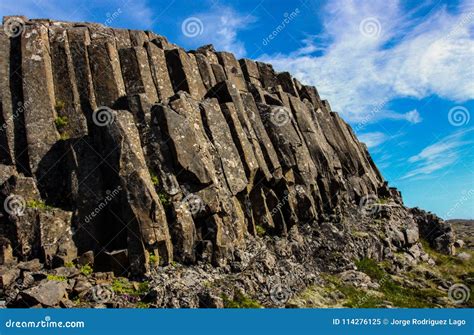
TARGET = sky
x,y
401,73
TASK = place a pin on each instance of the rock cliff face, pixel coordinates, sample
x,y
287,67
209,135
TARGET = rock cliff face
x,y
120,144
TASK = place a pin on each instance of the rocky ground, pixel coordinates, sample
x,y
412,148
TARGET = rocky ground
x,y
270,272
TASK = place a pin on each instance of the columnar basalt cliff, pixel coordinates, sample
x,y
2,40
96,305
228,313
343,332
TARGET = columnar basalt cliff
x,y
122,148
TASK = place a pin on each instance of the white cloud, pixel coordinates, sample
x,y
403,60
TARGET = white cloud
x,y
373,139
220,27
439,155
412,116
405,56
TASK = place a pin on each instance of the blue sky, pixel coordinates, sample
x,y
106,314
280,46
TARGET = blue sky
x,y
400,72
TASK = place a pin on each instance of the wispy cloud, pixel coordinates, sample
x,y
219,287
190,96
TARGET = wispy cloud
x,y
373,139
220,26
441,154
378,51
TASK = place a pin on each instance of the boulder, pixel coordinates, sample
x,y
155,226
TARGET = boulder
x,y
47,293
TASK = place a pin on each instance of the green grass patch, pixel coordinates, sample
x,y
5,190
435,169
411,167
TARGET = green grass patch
x,y
61,122
371,268
154,179
164,199
240,301
260,230
124,286
142,304
398,295
86,270
56,278
154,259
38,204
69,264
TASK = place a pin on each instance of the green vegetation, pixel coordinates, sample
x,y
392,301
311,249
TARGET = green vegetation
x,y
383,201
69,264
142,304
164,198
61,122
371,268
154,259
240,301
56,278
38,204
260,230
154,178
86,270
124,286
392,292
59,105
451,267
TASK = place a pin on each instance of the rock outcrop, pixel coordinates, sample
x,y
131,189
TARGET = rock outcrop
x,y
119,144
